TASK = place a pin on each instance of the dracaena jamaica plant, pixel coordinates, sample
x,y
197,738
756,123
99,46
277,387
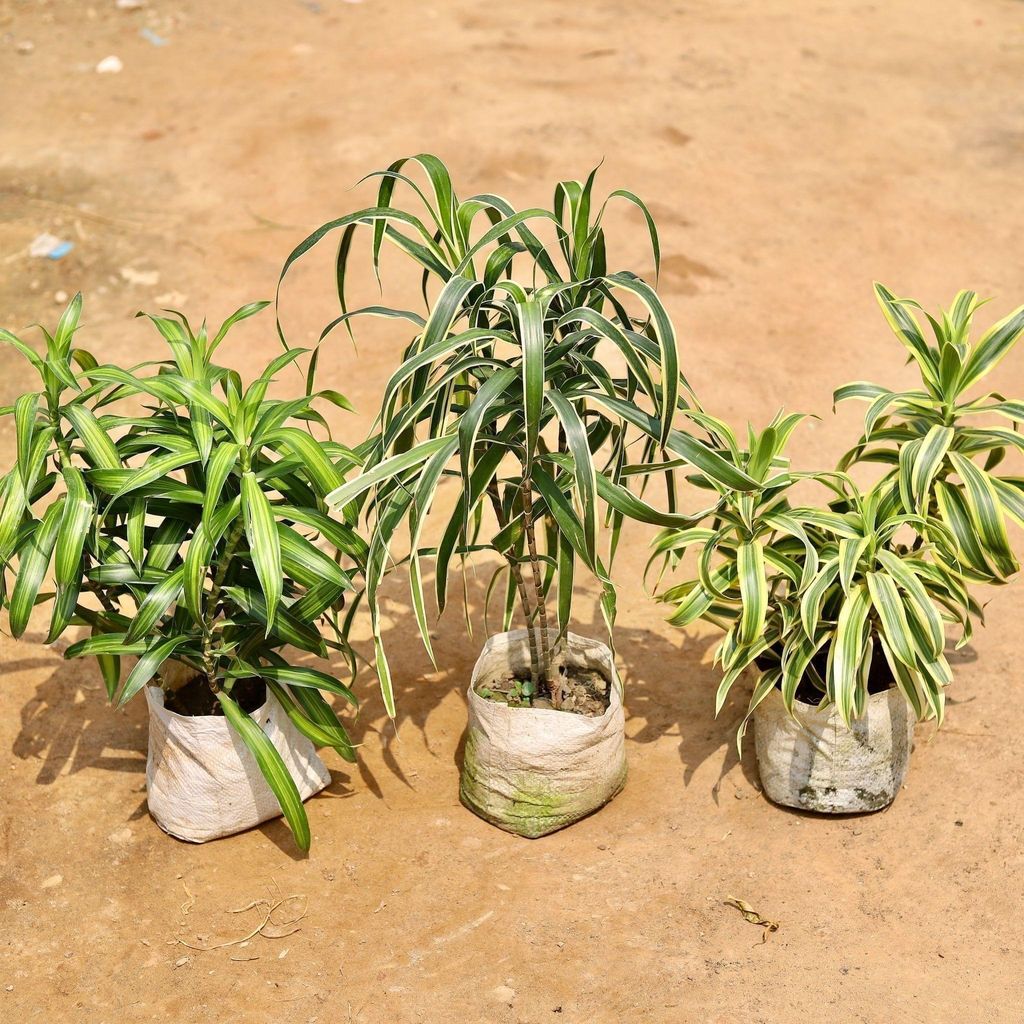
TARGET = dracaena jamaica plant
x,y
182,515
506,392
841,608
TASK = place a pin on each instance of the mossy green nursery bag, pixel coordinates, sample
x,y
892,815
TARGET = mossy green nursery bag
x,y
532,771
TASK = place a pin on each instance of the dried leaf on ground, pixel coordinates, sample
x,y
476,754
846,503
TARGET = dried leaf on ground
x,y
751,915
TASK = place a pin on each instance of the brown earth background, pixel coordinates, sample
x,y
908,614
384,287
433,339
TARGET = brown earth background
x,y
792,151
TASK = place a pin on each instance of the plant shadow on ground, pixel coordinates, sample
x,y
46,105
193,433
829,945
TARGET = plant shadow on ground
x,y
68,724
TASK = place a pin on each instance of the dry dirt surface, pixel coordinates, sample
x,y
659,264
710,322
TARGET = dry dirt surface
x,y
792,150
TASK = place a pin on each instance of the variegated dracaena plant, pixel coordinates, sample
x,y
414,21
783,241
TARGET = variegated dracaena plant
x,y
820,600
506,391
942,445
177,510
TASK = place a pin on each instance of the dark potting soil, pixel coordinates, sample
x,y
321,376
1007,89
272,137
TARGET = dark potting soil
x,y
585,691
880,676
195,699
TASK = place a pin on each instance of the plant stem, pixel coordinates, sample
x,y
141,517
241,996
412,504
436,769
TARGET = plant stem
x,y
209,663
531,539
524,597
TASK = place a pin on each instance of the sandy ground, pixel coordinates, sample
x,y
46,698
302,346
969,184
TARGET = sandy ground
x,y
793,150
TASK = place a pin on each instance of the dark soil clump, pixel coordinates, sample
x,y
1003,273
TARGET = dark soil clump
x,y
195,699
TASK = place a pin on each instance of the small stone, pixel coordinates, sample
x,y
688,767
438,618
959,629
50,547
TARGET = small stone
x,y
503,994
25,47
110,66
144,278
52,882
60,297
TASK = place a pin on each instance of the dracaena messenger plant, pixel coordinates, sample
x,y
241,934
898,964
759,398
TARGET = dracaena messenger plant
x,y
505,390
821,597
816,599
179,512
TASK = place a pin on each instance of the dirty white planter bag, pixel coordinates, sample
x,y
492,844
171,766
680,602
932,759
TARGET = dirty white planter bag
x,y
816,763
203,783
532,771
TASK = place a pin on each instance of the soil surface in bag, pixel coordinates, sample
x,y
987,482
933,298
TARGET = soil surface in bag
x,y
195,699
584,692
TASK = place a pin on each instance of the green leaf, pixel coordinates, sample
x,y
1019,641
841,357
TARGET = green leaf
x,y
25,410
294,675
100,449
156,468
33,561
391,467
106,643
905,328
324,734
272,767
306,563
148,665
923,608
993,346
814,595
264,544
665,333
219,469
582,464
243,313
200,550
286,626
850,552
986,513
13,505
71,535
155,603
848,649
926,463
753,591
323,474
531,326
956,516
886,598
696,453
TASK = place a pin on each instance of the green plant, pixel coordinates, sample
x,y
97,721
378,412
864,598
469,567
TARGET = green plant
x,y
816,600
505,390
941,458
811,596
181,533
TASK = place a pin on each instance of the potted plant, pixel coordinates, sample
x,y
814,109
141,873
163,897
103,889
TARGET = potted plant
x,y
503,391
179,524
841,609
